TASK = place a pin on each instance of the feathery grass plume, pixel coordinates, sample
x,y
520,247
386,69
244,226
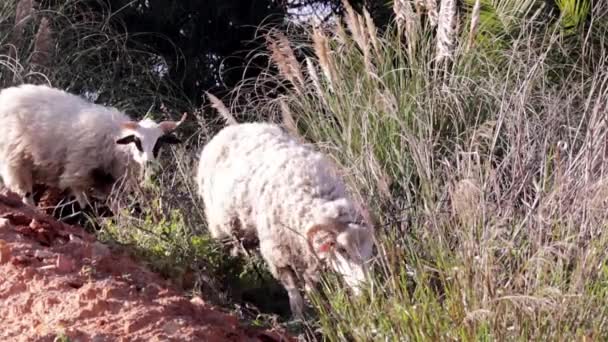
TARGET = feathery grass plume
x,y
321,47
22,15
406,19
43,44
446,30
353,24
314,77
372,31
218,105
365,45
431,9
400,10
340,33
283,56
287,118
474,24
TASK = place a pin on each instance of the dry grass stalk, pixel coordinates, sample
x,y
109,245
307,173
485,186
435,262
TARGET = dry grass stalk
x,y
365,46
419,5
23,13
354,25
314,76
288,120
340,33
446,31
372,31
43,44
431,9
403,11
221,108
379,175
283,56
474,24
406,22
321,47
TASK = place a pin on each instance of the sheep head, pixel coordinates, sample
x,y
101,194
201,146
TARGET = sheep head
x,y
344,246
147,137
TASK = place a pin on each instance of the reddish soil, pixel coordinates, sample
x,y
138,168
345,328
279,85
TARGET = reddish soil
x,y
57,279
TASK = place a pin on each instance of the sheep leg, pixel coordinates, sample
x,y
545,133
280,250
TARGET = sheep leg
x,y
296,302
19,180
81,198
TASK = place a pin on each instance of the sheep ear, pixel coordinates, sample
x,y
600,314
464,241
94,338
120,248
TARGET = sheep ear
x,y
322,240
126,140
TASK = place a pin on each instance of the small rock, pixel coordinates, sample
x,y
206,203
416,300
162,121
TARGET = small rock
x,y
43,254
129,327
75,239
35,224
99,338
18,219
196,300
64,264
88,294
99,251
171,327
21,261
5,252
4,223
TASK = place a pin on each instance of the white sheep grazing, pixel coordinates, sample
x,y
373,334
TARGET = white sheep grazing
x,y
255,179
52,137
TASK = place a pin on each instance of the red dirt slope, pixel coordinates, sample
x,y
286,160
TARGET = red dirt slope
x,y
56,278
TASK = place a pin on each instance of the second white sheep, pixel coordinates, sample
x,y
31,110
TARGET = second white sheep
x,y
256,180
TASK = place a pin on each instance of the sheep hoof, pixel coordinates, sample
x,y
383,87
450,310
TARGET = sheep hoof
x,y
28,200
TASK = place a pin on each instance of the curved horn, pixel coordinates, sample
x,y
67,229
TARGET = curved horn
x,y
332,227
169,126
130,125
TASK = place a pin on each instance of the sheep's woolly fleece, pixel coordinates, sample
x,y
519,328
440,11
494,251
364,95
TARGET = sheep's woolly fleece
x,y
36,121
257,175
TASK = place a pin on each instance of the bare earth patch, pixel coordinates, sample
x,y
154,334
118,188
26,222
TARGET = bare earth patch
x,y
57,279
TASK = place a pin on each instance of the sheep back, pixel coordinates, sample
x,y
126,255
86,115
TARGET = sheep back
x,y
61,136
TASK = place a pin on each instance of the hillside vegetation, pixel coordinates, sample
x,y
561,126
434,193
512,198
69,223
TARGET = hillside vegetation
x,y
476,133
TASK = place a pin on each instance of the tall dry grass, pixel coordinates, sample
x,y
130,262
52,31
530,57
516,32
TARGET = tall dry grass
x,y
81,47
489,182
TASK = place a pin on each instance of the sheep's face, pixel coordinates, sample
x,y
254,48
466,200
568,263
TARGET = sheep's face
x,y
146,138
346,248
